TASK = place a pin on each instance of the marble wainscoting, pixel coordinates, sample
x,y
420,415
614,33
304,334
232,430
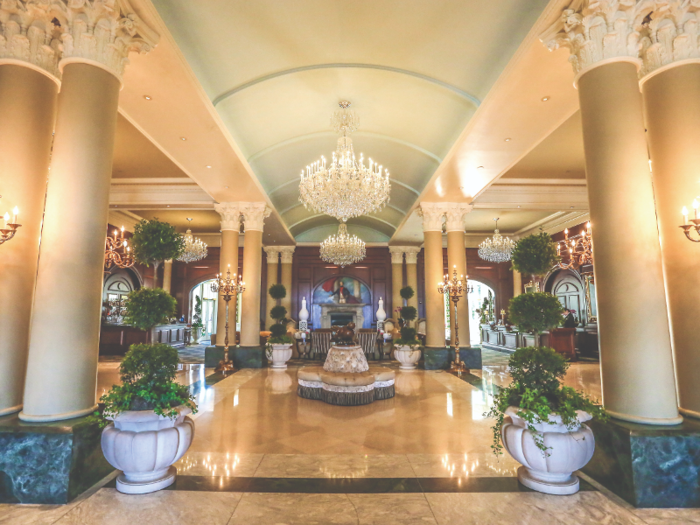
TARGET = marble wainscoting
x,y
648,466
440,358
49,462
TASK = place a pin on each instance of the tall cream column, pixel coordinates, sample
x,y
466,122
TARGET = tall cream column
x,y
457,257
633,328
286,257
396,279
412,273
167,275
65,330
230,213
254,214
432,214
28,109
517,283
671,92
273,257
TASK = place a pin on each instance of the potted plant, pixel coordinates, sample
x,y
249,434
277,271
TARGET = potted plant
x,y
147,427
277,292
147,307
534,255
407,349
535,312
279,346
155,241
542,423
406,293
197,324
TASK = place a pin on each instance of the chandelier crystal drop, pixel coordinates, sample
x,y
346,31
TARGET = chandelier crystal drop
x,y
195,249
497,249
346,187
342,248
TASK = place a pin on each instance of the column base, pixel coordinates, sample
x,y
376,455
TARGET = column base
x,y
10,410
648,466
57,417
49,464
214,354
440,358
689,413
646,420
242,356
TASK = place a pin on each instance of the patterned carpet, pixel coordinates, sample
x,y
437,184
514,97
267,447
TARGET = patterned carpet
x,y
193,354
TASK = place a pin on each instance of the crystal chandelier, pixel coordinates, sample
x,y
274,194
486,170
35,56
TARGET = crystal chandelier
x,y
195,249
346,188
342,248
497,249
118,252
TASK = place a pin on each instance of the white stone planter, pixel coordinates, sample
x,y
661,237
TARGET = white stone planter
x,y
144,445
569,451
408,356
279,355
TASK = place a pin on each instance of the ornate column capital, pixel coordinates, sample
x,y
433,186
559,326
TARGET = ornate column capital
x,y
29,37
102,33
254,215
287,253
396,254
230,215
454,215
412,254
273,254
671,36
432,213
599,31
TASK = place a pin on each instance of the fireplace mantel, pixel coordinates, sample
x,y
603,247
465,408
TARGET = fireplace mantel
x,y
331,308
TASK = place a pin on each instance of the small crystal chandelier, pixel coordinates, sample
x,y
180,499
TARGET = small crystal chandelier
x,y
118,252
195,249
497,249
342,248
346,188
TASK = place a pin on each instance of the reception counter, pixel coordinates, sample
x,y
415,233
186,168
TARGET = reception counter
x,y
571,342
115,339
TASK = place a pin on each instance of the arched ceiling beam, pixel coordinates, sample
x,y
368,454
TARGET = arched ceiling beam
x,y
297,179
468,96
297,204
305,219
380,136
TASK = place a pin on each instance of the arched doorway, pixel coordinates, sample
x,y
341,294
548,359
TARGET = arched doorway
x,y
476,298
569,288
117,285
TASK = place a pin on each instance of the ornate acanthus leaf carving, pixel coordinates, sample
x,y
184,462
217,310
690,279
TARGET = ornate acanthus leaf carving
x,y
28,34
230,215
412,254
596,30
396,254
254,215
104,32
454,215
287,253
273,254
432,214
671,34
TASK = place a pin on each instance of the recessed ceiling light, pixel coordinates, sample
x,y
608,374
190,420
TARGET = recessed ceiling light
x,y
209,167
147,97
545,99
183,138
507,140
167,206
225,187
571,207
480,167
518,206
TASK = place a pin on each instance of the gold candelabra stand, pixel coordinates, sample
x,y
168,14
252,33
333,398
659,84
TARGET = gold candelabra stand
x,y
579,249
118,252
228,288
11,225
454,288
688,228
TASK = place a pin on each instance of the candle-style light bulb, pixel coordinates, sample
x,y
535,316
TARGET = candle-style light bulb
x,y
695,207
684,211
15,214
7,219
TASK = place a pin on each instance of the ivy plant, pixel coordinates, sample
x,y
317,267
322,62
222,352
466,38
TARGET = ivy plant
x,y
535,254
155,241
537,391
148,383
197,317
535,312
147,307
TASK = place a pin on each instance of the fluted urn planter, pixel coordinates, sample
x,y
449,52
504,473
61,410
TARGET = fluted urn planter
x,y
279,355
408,356
567,451
144,446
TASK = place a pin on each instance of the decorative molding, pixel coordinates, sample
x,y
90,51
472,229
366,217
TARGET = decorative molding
x,y
396,254
254,215
412,254
273,254
230,215
124,192
431,213
671,35
454,215
29,36
102,33
599,30
511,193
287,253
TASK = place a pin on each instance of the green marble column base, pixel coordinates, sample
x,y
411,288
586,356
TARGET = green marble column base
x,y
647,465
50,463
440,358
248,357
214,354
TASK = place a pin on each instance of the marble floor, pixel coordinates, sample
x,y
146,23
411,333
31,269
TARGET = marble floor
x,y
262,455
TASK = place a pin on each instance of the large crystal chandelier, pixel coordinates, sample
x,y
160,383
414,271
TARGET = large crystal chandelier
x,y
342,248
497,249
346,188
195,249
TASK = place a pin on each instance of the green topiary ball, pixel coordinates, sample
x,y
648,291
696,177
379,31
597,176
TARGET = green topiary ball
x,y
408,334
147,307
409,313
155,241
278,312
535,312
278,330
407,292
535,254
277,291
